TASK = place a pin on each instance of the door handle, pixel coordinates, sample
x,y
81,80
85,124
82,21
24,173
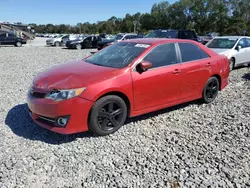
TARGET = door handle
x,y
176,71
208,64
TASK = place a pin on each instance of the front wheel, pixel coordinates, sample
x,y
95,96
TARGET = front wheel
x,y
57,44
78,46
210,90
107,115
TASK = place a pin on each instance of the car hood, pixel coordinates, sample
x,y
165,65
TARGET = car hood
x,y
221,50
73,75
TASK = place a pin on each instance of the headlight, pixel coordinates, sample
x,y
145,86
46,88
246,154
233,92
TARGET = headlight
x,y
60,95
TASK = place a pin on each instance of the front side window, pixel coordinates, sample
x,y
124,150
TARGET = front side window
x,y
191,52
118,55
242,43
247,42
225,43
162,55
118,37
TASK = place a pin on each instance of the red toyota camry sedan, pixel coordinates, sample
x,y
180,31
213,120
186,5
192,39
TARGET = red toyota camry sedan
x,y
124,80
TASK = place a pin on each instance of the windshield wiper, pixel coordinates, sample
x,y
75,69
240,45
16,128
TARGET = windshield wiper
x,y
98,64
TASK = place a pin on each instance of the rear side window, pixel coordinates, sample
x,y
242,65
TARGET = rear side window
x,y
191,52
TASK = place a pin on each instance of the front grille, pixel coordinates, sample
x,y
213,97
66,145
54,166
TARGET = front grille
x,y
38,95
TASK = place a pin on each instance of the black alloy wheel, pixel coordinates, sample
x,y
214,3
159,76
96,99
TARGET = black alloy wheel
x,y
107,115
211,90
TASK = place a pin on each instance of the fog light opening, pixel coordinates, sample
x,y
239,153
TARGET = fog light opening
x,y
62,121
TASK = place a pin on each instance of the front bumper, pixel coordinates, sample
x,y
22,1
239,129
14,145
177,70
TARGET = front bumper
x,y
49,43
76,108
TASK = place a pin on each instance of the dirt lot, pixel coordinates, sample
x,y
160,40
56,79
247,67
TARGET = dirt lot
x,y
191,145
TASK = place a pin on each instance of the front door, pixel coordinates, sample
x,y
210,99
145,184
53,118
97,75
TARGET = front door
x,y
160,84
196,67
241,55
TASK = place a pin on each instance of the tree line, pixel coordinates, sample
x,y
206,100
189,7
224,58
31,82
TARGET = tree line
x,y
227,17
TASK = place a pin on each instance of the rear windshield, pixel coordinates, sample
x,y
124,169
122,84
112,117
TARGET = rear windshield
x,y
162,34
118,55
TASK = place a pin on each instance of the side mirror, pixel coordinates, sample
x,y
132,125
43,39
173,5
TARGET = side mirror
x,y
144,66
238,48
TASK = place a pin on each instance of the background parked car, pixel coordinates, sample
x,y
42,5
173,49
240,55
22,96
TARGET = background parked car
x,y
118,37
170,33
60,40
11,39
236,48
88,42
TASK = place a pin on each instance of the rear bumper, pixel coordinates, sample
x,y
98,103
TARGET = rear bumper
x,y
77,109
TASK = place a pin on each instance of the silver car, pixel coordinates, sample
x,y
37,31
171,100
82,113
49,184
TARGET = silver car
x,y
236,48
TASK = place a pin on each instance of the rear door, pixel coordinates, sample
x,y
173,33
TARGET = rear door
x,y
2,38
196,68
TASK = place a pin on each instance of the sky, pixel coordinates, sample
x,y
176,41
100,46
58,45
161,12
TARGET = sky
x,y
70,11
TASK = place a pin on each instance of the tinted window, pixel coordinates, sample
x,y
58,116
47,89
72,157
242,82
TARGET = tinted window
x,y
134,36
118,55
65,37
10,35
3,35
242,43
191,52
162,34
247,42
225,43
187,35
162,55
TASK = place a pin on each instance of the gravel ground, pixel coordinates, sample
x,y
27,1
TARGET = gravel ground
x,y
191,145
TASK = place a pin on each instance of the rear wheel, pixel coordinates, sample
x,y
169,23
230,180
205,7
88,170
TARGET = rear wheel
x,y
107,115
210,90
18,44
232,64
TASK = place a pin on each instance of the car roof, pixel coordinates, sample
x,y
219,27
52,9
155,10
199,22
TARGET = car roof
x,y
231,37
156,40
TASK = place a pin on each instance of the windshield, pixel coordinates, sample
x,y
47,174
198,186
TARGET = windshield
x,y
225,43
161,34
58,36
118,37
118,55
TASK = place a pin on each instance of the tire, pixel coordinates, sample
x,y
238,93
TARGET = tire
x,y
107,115
78,46
210,90
232,64
18,44
57,44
